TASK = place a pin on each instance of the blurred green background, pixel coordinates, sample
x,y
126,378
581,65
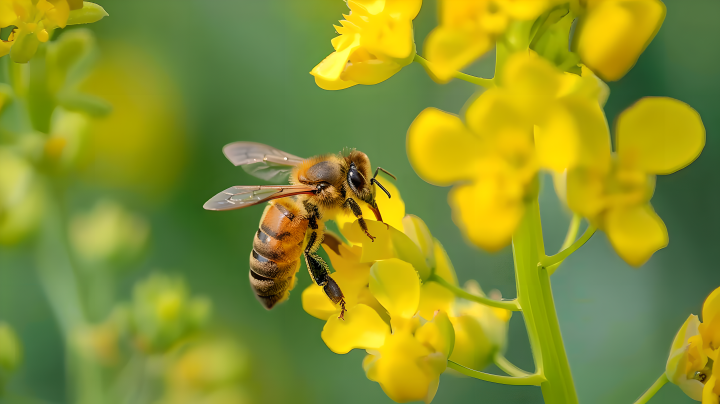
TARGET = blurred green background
x,y
188,76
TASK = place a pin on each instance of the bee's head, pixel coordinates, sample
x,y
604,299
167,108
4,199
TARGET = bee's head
x,y
359,177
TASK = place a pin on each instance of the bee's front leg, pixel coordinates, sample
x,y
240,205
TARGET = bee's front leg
x,y
355,208
376,211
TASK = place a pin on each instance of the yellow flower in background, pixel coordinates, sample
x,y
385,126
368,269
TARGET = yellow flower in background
x,y
150,130
35,21
693,362
657,135
480,331
108,233
538,118
21,197
611,34
375,42
162,313
468,29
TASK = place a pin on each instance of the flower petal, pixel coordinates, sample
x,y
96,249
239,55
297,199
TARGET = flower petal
x,y
418,232
614,33
370,72
449,49
395,284
400,370
660,135
574,132
316,303
441,149
362,328
485,213
437,334
636,233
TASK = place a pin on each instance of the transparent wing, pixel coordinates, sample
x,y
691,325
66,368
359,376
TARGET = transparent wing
x,y
243,196
262,161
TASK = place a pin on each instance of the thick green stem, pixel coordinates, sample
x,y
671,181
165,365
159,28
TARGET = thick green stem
x,y
535,297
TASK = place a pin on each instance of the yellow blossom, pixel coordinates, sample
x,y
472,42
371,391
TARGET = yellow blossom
x,y
375,42
611,34
657,135
468,29
538,118
693,362
35,21
163,313
21,197
480,331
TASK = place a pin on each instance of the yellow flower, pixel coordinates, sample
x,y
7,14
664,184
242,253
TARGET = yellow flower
x,y
693,362
21,197
710,327
480,331
655,136
108,233
375,42
402,322
407,358
468,29
539,118
36,20
611,34
163,313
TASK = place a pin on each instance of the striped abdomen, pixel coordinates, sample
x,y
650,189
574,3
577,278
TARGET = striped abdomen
x,y
277,249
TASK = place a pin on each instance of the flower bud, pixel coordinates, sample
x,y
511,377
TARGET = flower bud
x,y
108,234
162,313
10,348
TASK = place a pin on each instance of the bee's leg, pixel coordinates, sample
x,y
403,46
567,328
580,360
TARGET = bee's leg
x,y
319,269
376,211
355,208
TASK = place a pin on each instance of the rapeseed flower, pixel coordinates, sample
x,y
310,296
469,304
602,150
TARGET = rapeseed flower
x,y
693,362
537,118
375,42
35,21
404,320
657,135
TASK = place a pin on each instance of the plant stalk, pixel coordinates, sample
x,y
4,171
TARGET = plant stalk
x,y
535,298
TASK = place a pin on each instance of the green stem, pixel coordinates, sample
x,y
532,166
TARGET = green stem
x,y
59,281
653,389
508,367
572,231
535,297
511,305
530,380
556,259
487,83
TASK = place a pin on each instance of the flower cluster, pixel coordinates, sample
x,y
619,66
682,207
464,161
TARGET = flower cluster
x,y
539,117
35,20
695,354
408,324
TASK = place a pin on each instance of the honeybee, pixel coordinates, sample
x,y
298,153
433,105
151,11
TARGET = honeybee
x,y
294,222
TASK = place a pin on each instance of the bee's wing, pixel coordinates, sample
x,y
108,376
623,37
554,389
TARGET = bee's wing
x,y
243,196
262,161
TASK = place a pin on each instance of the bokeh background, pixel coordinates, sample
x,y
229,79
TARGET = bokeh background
x,y
187,77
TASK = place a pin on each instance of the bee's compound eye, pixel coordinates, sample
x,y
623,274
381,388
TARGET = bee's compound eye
x,y
354,178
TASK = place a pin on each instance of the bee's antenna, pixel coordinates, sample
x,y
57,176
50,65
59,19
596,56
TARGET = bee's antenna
x,y
376,182
385,171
